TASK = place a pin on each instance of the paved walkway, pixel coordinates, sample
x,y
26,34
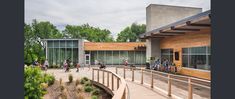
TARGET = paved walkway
x,y
137,91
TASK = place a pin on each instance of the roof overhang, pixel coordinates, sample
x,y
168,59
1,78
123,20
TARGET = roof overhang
x,y
194,23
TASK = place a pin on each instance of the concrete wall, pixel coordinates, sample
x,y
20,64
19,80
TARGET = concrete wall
x,y
81,52
160,15
153,48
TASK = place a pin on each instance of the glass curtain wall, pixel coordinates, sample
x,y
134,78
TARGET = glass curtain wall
x,y
60,50
117,57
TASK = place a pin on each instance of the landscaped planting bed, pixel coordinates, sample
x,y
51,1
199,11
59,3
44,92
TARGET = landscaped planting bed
x,y
78,89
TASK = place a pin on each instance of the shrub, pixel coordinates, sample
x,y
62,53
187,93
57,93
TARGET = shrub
x,y
94,97
62,88
70,78
83,80
32,85
60,81
95,92
77,82
88,83
88,88
80,96
44,86
64,94
49,79
79,89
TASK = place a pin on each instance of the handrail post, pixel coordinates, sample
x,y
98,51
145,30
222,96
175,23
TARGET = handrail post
x,y
151,79
124,72
133,74
124,94
169,85
107,79
116,70
112,81
103,78
98,76
93,74
142,76
118,82
190,90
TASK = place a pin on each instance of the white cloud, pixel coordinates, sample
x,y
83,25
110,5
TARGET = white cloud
x,y
111,14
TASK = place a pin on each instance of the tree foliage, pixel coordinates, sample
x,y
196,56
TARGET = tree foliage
x,y
88,32
131,33
34,33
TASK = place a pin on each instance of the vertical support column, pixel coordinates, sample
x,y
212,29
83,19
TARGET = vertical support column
x,y
124,72
103,78
124,94
151,78
118,82
112,57
142,76
98,76
116,70
133,74
46,50
112,82
169,85
190,90
107,79
119,57
92,74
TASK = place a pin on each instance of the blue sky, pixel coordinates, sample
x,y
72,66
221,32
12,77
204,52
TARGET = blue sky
x,y
114,15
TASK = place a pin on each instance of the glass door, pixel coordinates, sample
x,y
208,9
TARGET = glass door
x,y
87,59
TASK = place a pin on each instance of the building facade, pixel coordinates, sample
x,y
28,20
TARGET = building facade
x,y
184,41
78,51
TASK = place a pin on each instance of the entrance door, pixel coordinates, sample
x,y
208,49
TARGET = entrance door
x,y
87,59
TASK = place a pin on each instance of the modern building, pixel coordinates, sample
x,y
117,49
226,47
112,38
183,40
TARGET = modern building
x,y
109,53
181,35
114,53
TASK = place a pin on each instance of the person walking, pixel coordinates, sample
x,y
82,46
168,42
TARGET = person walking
x,y
46,64
78,66
68,65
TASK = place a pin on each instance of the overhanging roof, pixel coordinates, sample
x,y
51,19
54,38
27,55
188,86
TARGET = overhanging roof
x,y
114,46
190,24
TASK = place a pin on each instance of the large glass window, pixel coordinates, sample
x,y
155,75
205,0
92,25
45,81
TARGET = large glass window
x,y
196,57
60,50
167,54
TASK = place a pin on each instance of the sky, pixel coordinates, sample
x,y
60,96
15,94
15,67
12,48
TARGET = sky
x,y
113,15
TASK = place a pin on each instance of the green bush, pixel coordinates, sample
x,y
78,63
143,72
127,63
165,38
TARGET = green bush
x,y
88,88
94,97
49,79
32,85
87,83
95,92
70,78
83,80
77,82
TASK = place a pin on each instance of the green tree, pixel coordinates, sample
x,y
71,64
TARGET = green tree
x,y
34,33
131,33
88,32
